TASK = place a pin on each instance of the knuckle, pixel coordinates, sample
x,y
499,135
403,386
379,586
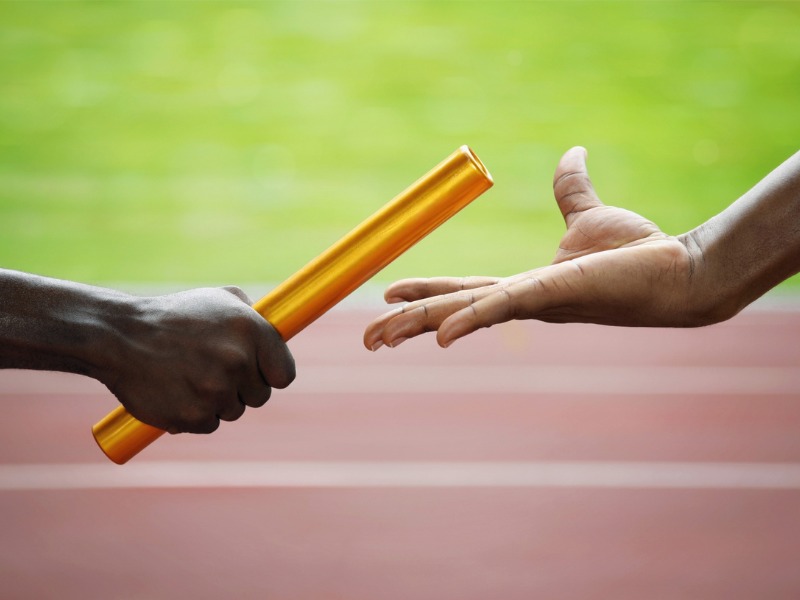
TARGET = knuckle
x,y
243,323
196,420
509,307
212,388
238,292
286,375
232,412
261,399
209,425
571,178
235,359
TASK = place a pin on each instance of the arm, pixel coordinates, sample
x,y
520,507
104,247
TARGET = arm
x,y
179,362
615,267
751,246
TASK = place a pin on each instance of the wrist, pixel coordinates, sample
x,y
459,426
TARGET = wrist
x,y
105,325
720,285
706,302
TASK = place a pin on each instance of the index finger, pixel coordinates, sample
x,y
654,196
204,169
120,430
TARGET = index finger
x,y
408,290
275,361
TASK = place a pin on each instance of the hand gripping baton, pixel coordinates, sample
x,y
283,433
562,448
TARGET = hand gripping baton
x,y
343,267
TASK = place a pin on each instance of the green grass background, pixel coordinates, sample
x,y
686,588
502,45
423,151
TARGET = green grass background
x,y
231,142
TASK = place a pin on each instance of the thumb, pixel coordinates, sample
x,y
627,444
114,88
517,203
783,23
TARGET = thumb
x,y
571,185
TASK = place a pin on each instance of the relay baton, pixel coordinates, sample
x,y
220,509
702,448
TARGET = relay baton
x,y
343,267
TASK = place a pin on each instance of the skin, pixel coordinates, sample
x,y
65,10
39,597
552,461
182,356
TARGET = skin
x,y
615,267
180,362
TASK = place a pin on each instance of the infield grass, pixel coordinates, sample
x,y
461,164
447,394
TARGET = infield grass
x,y
230,142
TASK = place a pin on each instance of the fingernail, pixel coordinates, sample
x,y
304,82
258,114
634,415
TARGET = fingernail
x,y
393,300
396,343
376,345
448,344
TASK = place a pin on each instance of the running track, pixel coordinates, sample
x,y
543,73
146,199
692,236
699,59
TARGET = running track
x,y
527,461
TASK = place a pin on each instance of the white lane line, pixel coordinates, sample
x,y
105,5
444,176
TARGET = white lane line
x,y
548,474
477,379
553,379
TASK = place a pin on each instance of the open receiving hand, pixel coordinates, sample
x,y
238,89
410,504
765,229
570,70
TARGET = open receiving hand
x,y
612,267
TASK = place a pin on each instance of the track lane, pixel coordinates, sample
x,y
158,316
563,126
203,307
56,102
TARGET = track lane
x,y
421,542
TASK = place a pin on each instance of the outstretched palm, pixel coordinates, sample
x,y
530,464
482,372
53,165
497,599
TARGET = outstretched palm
x,y
612,267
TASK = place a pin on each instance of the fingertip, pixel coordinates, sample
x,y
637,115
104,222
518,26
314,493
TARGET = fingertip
x,y
375,332
572,186
394,343
449,331
407,290
445,343
372,341
392,294
366,339
575,154
447,340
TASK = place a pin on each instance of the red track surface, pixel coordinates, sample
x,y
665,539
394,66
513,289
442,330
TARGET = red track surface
x,y
525,394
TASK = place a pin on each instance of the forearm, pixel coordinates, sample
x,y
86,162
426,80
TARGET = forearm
x,y
750,247
49,324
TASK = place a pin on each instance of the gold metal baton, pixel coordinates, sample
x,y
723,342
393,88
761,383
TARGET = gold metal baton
x,y
343,267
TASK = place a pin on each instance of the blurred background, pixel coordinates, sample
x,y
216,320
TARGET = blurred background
x,y
160,145
230,142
